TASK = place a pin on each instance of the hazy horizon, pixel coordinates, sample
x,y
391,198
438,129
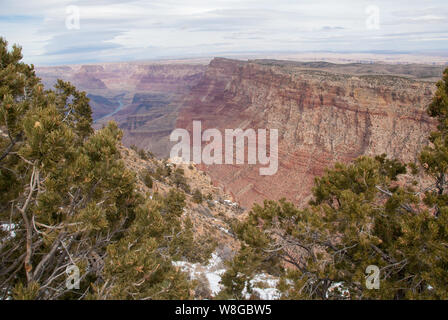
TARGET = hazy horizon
x,y
72,32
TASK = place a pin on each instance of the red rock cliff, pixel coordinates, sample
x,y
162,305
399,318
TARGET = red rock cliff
x,y
321,117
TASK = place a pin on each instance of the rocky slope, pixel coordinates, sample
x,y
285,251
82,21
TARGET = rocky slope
x,y
322,118
211,218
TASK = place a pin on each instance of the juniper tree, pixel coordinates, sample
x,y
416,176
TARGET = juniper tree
x,y
197,196
67,199
140,264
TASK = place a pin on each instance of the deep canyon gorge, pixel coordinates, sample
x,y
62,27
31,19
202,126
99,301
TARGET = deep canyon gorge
x,y
324,112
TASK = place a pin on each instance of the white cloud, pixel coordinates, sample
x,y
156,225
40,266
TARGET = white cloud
x,y
129,30
428,17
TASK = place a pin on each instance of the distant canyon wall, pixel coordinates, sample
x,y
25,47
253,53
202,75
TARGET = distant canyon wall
x,y
143,98
324,112
322,118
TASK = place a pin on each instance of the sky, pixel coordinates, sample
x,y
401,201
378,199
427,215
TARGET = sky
x,y
54,32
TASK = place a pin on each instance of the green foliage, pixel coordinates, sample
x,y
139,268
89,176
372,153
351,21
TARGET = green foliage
x,y
239,273
69,199
358,218
434,158
180,181
147,179
29,292
140,262
174,203
197,196
162,171
144,155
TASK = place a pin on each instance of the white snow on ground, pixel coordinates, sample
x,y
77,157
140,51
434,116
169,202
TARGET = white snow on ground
x,y
9,227
224,230
269,287
338,289
214,270
213,279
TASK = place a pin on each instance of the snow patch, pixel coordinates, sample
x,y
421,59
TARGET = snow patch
x,y
9,227
213,271
263,284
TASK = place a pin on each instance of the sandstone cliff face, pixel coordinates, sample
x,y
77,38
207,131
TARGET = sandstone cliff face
x,y
321,117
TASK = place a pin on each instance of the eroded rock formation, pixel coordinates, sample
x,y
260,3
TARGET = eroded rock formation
x,y
321,117
324,112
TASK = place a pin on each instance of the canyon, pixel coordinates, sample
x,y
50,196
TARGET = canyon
x,y
144,98
323,112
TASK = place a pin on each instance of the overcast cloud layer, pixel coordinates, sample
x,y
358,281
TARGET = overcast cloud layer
x,y
138,30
